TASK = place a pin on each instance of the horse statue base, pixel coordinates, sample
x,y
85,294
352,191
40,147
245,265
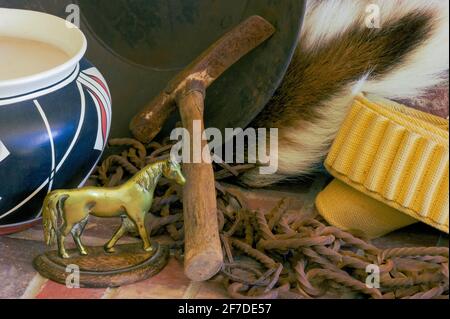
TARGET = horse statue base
x,y
128,264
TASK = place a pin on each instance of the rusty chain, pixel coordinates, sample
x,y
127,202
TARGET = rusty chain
x,y
284,253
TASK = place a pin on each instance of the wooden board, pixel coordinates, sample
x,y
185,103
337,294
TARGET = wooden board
x,y
129,264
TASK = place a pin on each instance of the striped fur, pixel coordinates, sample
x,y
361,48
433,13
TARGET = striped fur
x,y
338,57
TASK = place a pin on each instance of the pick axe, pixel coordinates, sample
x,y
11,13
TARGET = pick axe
x,y
203,252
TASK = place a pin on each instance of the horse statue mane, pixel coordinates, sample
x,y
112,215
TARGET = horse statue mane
x,y
148,176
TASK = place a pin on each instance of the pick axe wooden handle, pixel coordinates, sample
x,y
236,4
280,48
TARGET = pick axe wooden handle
x,y
203,256
203,252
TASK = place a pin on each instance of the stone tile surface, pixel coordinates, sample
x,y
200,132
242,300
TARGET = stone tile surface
x,y
212,290
169,283
52,290
17,252
16,269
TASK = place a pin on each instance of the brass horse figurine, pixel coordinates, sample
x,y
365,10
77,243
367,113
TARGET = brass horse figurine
x,y
131,201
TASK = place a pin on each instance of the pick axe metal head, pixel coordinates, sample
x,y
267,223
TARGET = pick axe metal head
x,y
206,69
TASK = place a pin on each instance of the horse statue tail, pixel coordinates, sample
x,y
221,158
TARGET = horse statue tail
x,y
52,208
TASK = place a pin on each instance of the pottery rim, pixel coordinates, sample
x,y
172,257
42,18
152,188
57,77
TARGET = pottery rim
x,y
46,28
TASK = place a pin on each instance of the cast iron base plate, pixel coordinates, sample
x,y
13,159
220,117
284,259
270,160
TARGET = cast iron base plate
x,y
128,264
